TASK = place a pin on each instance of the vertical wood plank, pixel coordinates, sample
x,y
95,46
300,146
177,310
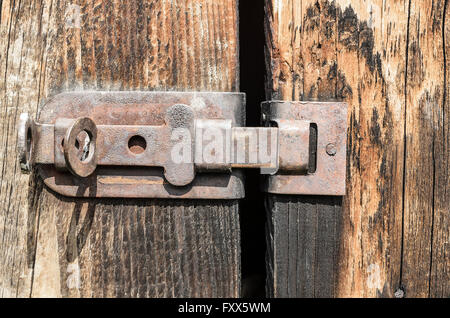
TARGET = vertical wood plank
x,y
371,68
55,246
20,68
396,178
301,54
426,165
303,249
440,262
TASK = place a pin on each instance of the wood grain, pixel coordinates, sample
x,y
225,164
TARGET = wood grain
x,y
388,60
440,261
371,239
303,231
426,195
54,246
302,247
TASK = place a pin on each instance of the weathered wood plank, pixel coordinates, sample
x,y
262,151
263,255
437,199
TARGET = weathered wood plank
x,y
54,246
372,45
387,61
426,201
440,262
303,249
20,65
301,57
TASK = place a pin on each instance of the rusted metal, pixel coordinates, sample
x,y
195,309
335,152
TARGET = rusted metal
x,y
293,144
331,149
256,147
80,166
331,121
112,168
169,145
25,142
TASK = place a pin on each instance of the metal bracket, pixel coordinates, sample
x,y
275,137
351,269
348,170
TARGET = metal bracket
x,y
159,145
327,147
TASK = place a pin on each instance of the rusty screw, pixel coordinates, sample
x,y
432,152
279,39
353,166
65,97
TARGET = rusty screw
x,y
399,293
331,149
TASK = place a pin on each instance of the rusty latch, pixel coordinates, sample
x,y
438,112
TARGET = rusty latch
x,y
159,145
327,147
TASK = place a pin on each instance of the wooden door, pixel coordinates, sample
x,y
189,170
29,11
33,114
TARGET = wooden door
x,y
57,246
388,237
389,60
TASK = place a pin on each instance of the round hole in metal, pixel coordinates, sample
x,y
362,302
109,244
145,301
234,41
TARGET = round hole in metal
x,y
137,144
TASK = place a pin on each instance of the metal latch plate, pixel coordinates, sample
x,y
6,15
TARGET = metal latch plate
x,y
144,109
330,119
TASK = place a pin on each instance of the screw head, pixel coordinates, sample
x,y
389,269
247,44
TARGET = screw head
x,y
331,149
399,293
